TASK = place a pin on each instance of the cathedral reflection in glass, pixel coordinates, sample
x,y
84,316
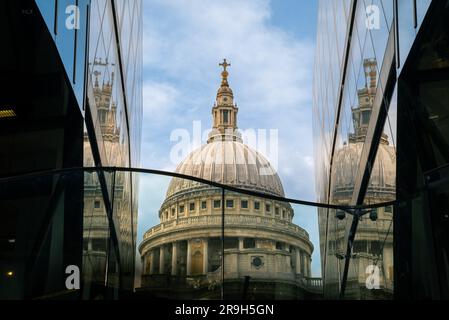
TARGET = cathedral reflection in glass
x,y
79,105
366,69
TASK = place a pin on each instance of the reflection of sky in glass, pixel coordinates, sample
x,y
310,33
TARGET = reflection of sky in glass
x,y
365,44
65,40
407,32
103,60
47,9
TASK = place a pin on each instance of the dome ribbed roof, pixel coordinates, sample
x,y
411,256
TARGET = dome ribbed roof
x,y
347,161
228,162
223,90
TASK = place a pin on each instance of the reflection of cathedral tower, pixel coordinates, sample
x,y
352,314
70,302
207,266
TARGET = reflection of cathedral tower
x,y
373,244
361,114
106,113
260,239
96,225
106,109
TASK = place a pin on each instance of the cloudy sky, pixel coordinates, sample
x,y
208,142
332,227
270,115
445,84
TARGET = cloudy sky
x,y
270,45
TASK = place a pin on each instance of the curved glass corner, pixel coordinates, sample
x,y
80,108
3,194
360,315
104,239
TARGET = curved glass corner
x,y
78,234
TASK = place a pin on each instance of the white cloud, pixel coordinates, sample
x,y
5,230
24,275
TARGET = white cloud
x,y
159,101
269,67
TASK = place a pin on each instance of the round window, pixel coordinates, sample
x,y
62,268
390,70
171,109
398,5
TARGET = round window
x,y
257,262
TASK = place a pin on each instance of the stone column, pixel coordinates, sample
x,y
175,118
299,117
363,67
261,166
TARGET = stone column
x,y
304,261
174,259
205,255
89,245
240,243
151,257
309,271
298,261
189,258
162,260
303,264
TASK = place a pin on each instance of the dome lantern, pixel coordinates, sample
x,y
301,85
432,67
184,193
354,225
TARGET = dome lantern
x,y
361,113
224,111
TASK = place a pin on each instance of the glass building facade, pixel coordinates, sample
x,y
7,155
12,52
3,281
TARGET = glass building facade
x,y
376,60
71,79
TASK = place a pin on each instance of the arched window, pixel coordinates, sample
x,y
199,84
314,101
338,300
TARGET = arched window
x,y
225,116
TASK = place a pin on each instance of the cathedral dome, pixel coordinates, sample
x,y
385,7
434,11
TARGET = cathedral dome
x,y
346,161
228,162
225,159
261,241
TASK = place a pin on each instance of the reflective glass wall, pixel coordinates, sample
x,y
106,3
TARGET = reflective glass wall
x,y
356,98
422,225
202,240
351,71
95,48
114,92
41,227
58,253
68,24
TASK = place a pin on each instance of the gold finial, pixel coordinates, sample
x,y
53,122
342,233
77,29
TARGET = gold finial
x,y
224,64
224,74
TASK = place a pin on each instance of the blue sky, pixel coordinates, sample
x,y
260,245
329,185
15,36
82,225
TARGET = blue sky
x,y
270,45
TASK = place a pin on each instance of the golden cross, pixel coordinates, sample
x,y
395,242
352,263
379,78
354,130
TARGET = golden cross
x,y
224,64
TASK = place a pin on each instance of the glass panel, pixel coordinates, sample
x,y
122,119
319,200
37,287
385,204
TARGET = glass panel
x,y
123,221
382,184
370,269
36,248
179,256
379,32
96,239
180,251
332,245
47,9
423,159
370,273
406,21
267,255
69,32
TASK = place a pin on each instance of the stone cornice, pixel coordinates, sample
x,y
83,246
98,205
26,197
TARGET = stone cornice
x,y
210,225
